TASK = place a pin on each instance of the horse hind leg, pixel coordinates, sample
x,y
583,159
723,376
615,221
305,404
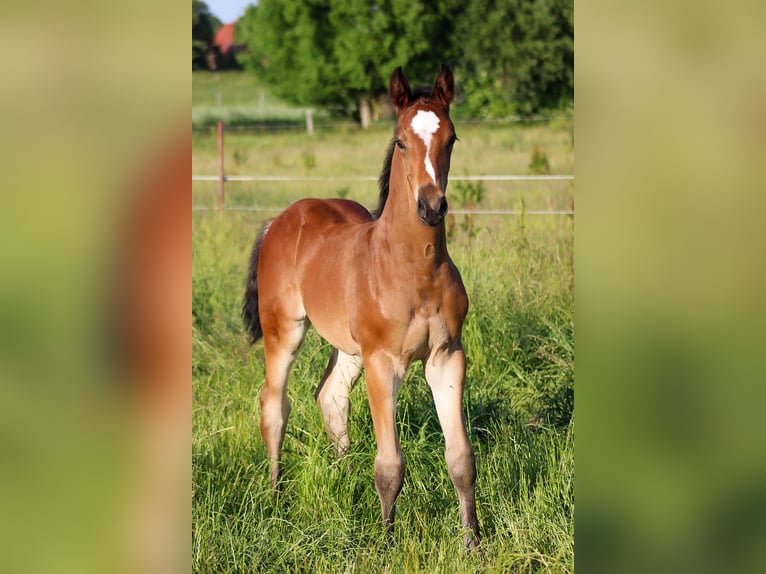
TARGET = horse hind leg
x,y
282,339
332,396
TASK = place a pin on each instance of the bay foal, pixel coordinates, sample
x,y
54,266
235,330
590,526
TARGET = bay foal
x,y
382,290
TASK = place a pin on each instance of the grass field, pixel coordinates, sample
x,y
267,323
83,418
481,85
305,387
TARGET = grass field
x,y
518,271
237,98
353,153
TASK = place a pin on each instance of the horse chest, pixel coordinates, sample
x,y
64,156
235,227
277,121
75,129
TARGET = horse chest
x,y
426,331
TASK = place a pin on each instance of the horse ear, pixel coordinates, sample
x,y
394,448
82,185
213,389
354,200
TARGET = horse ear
x,y
444,89
399,88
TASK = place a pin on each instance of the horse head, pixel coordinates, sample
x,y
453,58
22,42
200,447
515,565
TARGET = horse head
x,y
424,138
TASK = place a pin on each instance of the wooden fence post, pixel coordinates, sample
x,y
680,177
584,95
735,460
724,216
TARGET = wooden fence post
x,y
220,166
310,122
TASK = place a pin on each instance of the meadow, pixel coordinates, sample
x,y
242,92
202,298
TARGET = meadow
x,y
235,98
519,397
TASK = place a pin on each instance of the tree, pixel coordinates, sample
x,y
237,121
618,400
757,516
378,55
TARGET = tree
x,y
509,56
204,25
339,54
517,56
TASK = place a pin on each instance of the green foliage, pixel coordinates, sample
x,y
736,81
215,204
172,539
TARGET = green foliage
x,y
469,194
343,192
203,29
332,53
240,156
538,163
520,241
517,56
509,56
466,195
309,159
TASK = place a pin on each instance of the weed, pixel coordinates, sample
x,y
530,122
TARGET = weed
x,y
520,241
308,159
538,164
467,195
240,156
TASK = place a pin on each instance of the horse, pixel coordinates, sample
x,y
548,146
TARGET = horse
x,y
381,288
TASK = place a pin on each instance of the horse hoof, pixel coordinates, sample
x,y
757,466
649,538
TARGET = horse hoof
x,y
471,543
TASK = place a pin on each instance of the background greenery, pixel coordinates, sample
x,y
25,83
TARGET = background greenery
x,y
204,25
510,57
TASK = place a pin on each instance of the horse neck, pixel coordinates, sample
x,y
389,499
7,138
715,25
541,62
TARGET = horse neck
x,y
400,225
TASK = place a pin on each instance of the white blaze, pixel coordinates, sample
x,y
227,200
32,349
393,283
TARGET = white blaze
x,y
425,124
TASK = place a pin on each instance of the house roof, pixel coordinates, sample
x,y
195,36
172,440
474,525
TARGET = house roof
x,y
224,38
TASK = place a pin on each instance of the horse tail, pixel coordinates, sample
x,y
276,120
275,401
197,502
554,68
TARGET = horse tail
x,y
250,313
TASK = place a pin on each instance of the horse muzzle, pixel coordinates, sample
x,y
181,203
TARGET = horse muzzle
x,y
432,208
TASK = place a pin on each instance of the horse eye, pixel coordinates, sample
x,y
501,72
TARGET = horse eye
x,y
399,143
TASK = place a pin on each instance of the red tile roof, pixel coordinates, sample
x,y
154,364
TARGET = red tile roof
x,y
224,38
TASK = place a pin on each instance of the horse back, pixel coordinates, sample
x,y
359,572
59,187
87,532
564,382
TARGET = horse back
x,y
313,257
298,228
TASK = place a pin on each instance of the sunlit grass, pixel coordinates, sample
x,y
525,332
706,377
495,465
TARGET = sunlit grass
x,y
341,157
518,401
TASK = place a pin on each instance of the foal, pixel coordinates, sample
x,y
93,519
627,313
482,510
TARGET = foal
x,y
382,290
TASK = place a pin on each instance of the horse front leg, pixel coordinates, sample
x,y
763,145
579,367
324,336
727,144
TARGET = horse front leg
x,y
445,373
383,381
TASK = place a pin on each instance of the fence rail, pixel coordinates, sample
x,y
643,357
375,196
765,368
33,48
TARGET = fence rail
x,y
308,122
288,178
451,211
222,178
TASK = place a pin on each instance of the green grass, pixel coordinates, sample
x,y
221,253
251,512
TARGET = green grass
x,y
518,337
518,401
237,98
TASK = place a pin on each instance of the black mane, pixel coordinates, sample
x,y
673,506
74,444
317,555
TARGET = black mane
x,y
383,180
422,93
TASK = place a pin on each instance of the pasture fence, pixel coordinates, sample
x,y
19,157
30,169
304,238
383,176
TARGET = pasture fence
x,y
307,122
221,178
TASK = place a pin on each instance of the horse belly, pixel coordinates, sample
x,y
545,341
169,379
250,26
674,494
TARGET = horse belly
x,y
326,294
335,330
326,233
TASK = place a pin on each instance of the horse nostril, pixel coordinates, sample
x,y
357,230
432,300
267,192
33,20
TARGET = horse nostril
x,y
431,209
443,207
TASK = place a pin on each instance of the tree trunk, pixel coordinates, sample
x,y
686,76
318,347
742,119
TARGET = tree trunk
x,y
364,112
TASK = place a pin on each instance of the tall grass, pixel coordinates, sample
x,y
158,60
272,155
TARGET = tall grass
x,y
518,401
518,337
